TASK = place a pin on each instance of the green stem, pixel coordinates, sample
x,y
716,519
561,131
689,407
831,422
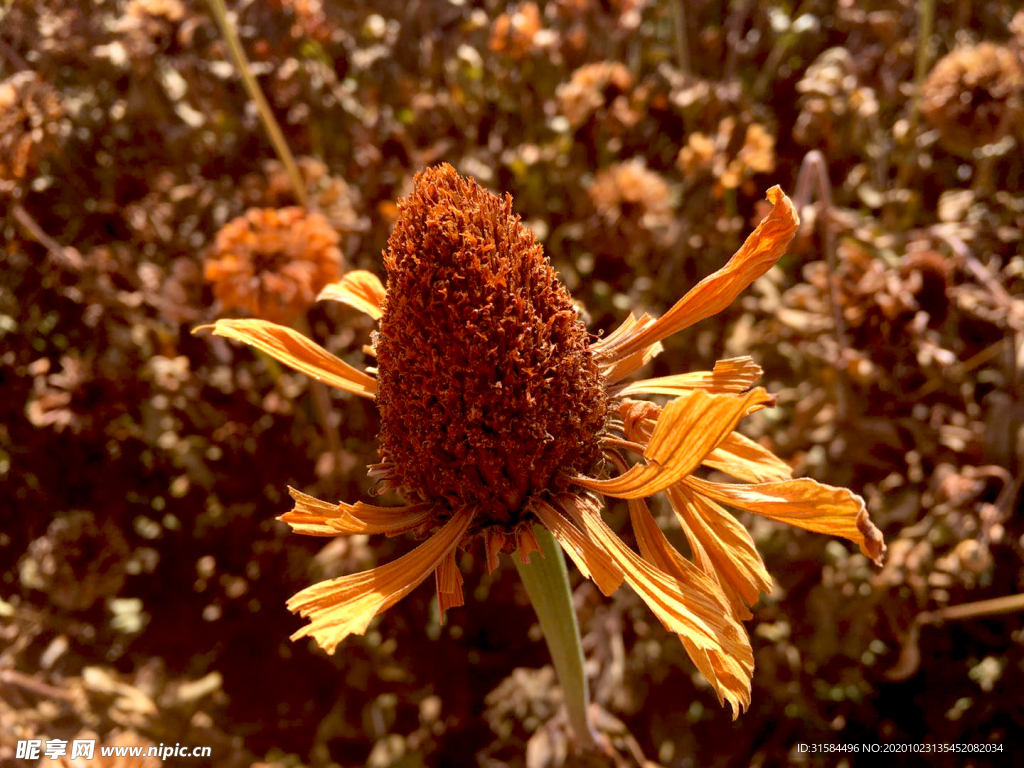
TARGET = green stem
x,y
270,124
547,583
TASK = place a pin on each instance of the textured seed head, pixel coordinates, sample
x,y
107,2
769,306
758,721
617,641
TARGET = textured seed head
x,y
486,386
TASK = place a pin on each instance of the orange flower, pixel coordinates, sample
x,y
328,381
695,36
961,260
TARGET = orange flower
x,y
272,262
499,412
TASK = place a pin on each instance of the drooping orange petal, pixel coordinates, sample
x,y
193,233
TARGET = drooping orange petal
x,y
314,517
806,504
358,289
692,606
449,584
296,351
593,561
759,253
736,374
687,430
728,553
729,676
742,458
345,606
730,679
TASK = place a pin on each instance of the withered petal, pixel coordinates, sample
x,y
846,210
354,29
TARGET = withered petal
x,y
692,605
727,551
806,504
358,289
729,675
737,374
345,606
627,366
687,430
759,253
296,351
744,459
593,561
314,517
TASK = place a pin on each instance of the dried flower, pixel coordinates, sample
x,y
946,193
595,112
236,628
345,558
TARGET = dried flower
x,y
332,196
30,114
730,169
521,32
632,191
273,262
77,562
837,112
974,96
592,87
499,412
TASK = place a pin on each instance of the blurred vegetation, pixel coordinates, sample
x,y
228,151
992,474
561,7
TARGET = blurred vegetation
x,y
143,574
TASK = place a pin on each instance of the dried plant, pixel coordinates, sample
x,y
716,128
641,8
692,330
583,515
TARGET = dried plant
x,y
30,126
273,262
974,96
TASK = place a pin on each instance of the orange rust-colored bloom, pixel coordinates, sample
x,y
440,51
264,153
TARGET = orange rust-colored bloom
x,y
273,262
499,412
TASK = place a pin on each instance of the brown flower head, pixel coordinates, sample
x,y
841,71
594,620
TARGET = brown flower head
x,y
837,112
273,261
499,412
974,96
486,387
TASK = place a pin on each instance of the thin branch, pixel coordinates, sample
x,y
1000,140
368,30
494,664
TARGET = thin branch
x,y
13,677
993,607
270,124
813,180
66,255
679,27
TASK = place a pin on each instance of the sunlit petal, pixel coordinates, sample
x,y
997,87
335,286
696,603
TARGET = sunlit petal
x,y
627,366
593,561
736,374
296,351
759,253
722,547
345,606
742,458
806,504
692,606
687,430
729,675
358,289
314,517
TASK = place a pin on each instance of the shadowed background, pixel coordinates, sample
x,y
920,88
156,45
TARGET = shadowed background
x,y
143,574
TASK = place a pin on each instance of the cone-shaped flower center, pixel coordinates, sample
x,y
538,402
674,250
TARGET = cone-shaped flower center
x,y
487,387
